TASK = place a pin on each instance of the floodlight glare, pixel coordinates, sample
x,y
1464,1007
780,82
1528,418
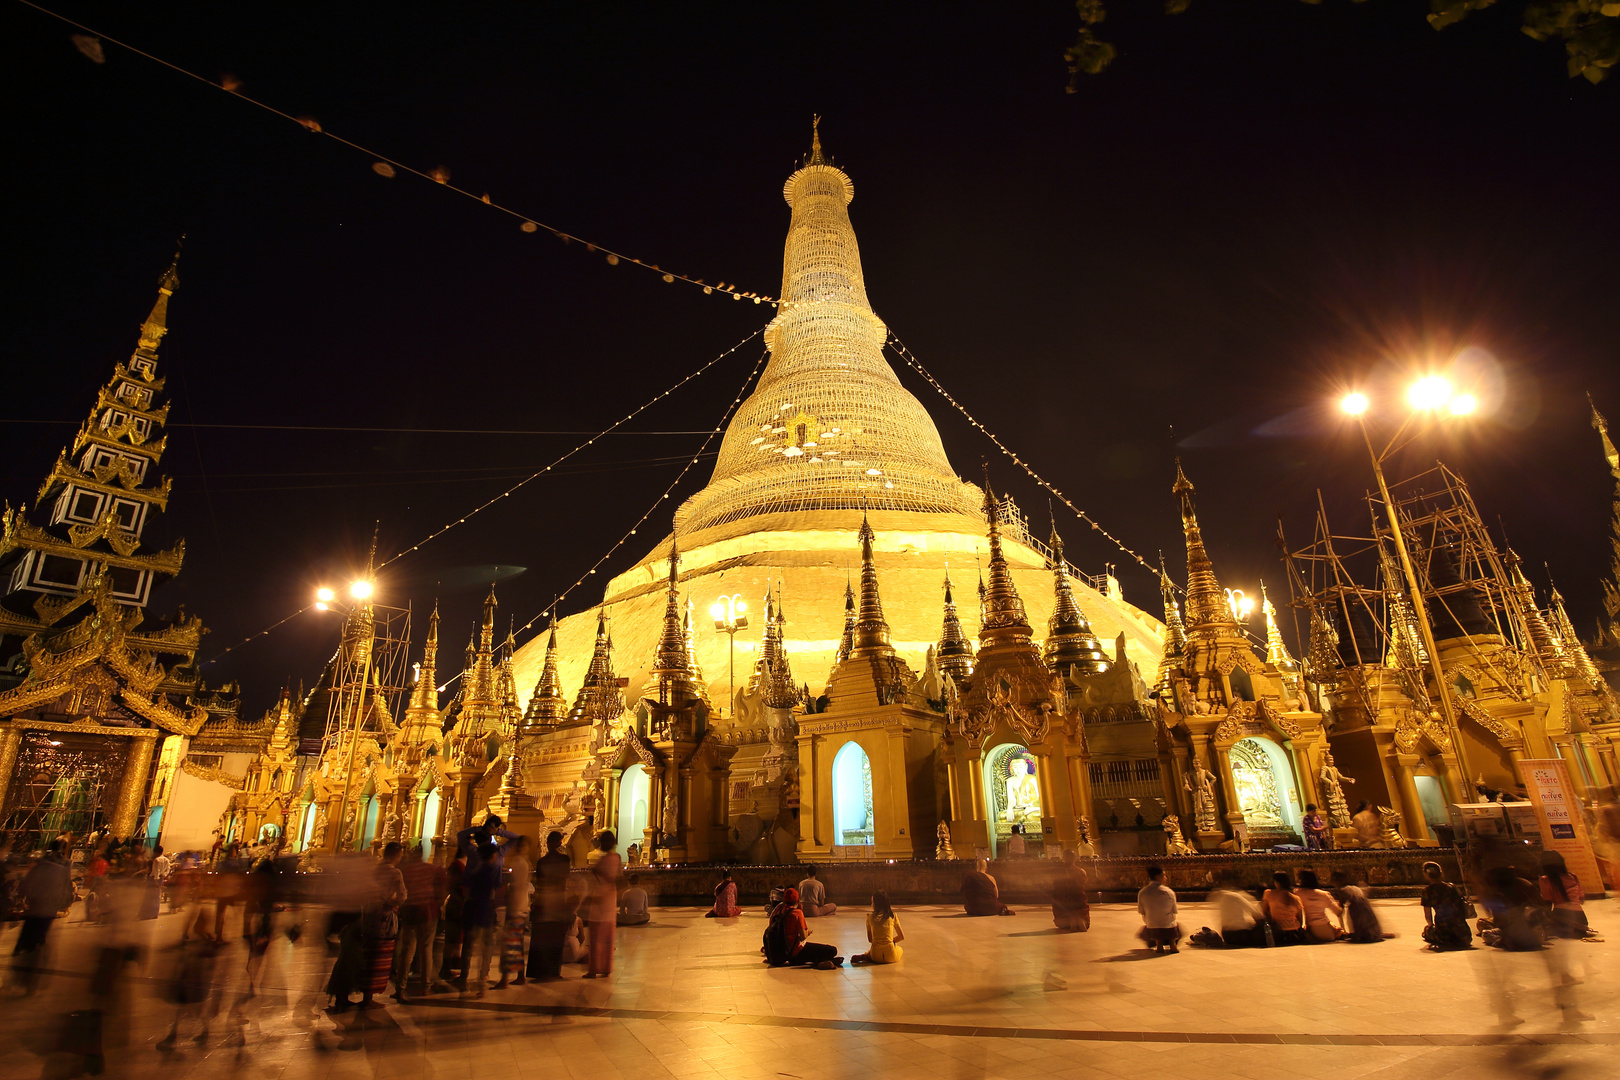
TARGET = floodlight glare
x,y
1354,404
1429,392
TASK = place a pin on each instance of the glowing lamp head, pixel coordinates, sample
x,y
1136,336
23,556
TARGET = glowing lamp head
x,y
1429,392
360,590
1463,405
717,610
741,607
1353,404
325,596
322,605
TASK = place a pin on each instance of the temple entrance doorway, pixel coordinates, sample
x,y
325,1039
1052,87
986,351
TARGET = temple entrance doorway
x,y
63,783
852,797
1432,799
430,820
1012,797
635,793
1266,792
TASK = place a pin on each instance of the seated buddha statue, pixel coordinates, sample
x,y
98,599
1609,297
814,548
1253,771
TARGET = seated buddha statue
x,y
1023,791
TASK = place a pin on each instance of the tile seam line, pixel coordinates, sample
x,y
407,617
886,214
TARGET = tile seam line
x,y
1061,1034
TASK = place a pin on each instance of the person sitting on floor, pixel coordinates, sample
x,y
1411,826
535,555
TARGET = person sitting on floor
x,y
1316,904
883,931
1240,915
801,951
1284,911
1444,913
573,946
633,905
1070,909
1364,925
980,894
813,896
1156,903
1518,923
725,899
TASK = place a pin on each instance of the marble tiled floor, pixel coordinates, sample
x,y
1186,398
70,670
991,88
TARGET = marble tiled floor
x,y
1006,997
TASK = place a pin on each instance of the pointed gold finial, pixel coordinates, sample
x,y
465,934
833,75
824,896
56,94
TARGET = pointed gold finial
x,y
1602,427
157,323
815,141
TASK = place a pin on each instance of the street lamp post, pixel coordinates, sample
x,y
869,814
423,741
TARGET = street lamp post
x,y
730,616
1427,396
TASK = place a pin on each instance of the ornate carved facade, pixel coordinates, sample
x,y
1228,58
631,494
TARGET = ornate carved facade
x,y
94,687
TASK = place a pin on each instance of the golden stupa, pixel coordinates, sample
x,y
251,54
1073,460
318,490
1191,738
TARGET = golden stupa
x,y
828,435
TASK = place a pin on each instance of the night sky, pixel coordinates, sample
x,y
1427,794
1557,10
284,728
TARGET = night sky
x,y
1259,205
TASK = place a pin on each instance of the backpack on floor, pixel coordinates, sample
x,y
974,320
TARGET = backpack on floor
x,y
776,944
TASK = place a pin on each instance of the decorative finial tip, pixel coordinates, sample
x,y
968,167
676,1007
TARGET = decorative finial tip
x,y
815,140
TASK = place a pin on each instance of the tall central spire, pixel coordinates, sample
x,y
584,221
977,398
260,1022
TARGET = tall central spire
x,y
829,427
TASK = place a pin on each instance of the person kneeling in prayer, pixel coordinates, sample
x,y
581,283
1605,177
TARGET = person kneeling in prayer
x,y
980,893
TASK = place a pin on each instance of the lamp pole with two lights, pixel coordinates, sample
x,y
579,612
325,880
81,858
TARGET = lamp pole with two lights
x,y
1430,396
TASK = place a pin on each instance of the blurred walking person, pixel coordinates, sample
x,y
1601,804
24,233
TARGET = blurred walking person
x,y
482,879
1563,891
603,908
47,891
519,891
553,916
192,988
426,886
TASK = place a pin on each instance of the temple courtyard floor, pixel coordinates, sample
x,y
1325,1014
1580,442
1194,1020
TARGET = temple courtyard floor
x,y
996,997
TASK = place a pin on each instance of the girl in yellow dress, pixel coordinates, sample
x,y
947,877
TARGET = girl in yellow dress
x,y
883,931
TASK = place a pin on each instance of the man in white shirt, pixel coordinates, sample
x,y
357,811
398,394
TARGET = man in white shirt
x,y
813,896
1156,903
1240,914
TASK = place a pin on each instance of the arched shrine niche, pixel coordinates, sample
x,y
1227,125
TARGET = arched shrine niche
x,y
852,797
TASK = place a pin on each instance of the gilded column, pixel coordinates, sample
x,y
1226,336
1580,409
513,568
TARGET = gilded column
x,y
978,831
1606,756
1059,808
1307,761
1079,780
810,782
10,745
126,815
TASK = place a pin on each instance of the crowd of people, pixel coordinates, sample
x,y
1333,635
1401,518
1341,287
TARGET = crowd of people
x,y
491,913
489,916
1517,915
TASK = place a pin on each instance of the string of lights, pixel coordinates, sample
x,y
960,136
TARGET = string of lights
x,y
916,365
388,167
435,534
702,452
255,637
699,455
